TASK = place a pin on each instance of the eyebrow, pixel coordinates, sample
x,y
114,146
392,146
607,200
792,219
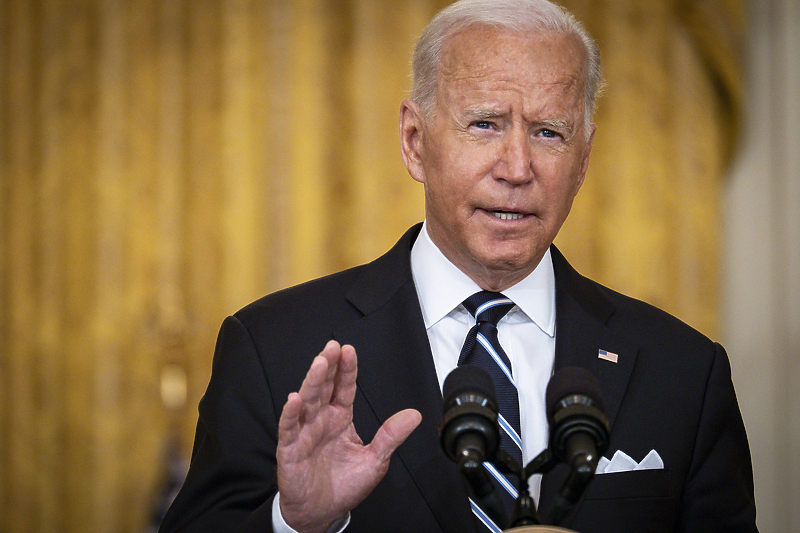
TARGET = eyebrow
x,y
485,113
555,124
474,114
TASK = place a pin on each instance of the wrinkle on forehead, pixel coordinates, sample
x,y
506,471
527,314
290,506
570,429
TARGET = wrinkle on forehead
x,y
470,56
488,71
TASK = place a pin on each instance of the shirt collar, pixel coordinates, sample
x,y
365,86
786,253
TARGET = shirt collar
x,y
441,286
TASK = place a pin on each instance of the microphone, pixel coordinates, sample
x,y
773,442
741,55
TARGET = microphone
x,y
470,434
469,429
578,432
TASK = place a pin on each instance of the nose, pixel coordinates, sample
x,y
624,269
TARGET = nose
x,y
515,165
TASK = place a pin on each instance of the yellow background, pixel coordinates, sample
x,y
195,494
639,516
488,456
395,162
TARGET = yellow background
x,y
165,162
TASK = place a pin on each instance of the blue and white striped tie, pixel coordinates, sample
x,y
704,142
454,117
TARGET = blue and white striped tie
x,y
482,348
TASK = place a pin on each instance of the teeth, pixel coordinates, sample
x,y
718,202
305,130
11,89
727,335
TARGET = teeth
x,y
503,215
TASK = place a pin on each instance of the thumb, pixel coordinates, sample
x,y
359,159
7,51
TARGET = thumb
x,y
394,432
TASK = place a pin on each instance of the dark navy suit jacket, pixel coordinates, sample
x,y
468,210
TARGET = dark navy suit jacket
x,y
670,391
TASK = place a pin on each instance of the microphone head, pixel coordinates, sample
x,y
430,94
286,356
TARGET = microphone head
x,y
576,415
572,381
468,379
469,416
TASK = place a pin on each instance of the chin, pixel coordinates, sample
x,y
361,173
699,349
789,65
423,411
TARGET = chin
x,y
510,251
509,262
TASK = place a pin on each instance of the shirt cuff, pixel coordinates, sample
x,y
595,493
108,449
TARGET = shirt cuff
x,y
279,525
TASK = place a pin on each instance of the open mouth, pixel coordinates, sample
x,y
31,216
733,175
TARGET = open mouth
x,y
507,215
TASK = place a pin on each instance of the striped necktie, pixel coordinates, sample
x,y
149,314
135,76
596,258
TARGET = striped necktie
x,y
482,348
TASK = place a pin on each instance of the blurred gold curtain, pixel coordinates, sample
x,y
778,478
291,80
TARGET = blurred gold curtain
x,y
646,222
164,162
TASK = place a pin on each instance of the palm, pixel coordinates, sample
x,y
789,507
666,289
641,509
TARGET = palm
x,y
324,469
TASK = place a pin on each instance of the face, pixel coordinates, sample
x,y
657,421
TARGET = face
x,y
505,151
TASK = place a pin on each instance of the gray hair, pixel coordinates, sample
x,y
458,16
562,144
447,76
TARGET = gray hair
x,y
519,16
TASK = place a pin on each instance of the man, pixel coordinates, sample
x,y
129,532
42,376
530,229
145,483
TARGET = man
x,y
498,130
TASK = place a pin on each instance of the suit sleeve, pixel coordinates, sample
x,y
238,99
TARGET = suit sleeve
x,y
718,494
232,481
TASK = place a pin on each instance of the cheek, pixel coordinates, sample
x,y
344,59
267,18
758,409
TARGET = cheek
x,y
564,196
571,187
562,182
447,179
444,200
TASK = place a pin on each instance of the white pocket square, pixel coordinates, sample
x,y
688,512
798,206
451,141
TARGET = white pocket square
x,y
622,462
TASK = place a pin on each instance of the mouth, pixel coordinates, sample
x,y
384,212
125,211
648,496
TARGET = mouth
x,y
507,215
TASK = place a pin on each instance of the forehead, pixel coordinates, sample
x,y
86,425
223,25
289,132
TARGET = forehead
x,y
486,58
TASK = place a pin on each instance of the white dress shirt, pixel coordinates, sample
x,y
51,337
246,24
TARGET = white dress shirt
x,y
526,333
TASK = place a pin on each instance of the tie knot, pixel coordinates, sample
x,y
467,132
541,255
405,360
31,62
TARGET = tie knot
x,y
488,306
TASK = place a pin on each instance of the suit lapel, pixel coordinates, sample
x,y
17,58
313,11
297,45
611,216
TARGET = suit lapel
x,y
396,371
582,316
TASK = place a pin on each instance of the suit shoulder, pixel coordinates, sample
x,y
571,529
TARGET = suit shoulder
x,y
646,317
327,291
351,292
639,320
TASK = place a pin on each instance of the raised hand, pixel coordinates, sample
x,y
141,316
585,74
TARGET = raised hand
x,y
324,469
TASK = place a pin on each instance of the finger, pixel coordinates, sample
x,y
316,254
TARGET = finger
x,y
289,423
393,433
344,391
333,354
321,387
317,386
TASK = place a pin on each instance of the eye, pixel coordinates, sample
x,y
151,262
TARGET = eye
x,y
550,134
483,124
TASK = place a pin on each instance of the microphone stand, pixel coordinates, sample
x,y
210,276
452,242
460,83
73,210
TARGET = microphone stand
x,y
526,517
487,498
525,513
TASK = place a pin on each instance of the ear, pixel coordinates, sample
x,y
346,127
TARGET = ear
x,y
585,162
411,130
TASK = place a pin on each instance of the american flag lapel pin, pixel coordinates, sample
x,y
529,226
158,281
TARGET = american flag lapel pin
x,y
607,356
